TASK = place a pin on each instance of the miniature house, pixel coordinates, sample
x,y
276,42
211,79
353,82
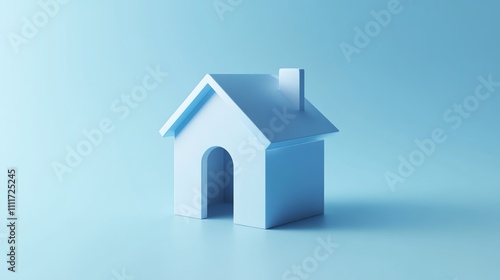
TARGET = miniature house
x,y
251,140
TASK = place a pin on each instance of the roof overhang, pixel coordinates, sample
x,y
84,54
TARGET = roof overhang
x,y
196,99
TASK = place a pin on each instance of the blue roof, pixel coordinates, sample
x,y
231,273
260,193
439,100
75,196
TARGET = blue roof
x,y
259,99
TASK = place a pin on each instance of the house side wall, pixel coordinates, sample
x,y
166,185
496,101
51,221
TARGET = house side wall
x,y
295,183
215,124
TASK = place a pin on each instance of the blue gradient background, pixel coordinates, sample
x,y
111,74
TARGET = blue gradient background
x,y
114,211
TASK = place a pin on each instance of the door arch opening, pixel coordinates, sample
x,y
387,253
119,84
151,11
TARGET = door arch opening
x,y
218,183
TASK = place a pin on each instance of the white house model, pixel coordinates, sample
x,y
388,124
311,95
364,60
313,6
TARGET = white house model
x,y
251,140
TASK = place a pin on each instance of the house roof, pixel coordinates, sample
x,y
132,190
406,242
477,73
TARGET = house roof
x,y
266,111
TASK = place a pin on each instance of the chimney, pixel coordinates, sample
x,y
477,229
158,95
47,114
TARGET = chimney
x,y
292,86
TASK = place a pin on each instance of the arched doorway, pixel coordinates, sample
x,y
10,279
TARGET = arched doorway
x,y
218,182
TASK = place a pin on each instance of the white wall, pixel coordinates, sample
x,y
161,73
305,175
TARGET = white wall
x,y
216,124
295,183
